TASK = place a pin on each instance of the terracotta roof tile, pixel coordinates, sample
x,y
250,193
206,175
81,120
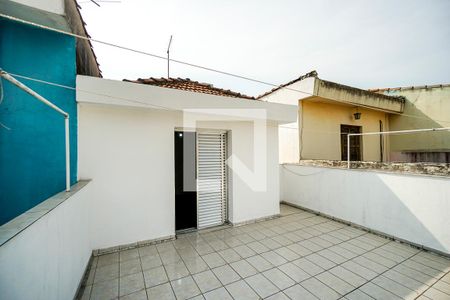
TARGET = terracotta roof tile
x,y
186,84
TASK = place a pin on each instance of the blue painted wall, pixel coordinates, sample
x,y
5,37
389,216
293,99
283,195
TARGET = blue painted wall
x,y
32,152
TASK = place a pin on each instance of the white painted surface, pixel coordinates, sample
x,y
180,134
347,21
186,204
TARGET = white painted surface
x,y
289,135
293,92
120,93
54,6
47,260
129,154
410,207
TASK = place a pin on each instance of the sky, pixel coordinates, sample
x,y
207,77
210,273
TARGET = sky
x,y
361,43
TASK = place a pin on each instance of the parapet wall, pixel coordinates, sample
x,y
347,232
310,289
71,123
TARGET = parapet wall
x,y
436,169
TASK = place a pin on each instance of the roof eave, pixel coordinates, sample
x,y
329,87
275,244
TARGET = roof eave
x,y
359,97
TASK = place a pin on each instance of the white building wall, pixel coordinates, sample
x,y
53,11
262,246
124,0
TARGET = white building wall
x,y
47,260
410,207
54,6
289,134
129,154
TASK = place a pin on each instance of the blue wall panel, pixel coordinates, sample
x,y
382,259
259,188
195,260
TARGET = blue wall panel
x,y
32,152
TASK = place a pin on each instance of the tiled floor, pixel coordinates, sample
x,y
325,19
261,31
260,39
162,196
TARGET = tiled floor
x,y
297,256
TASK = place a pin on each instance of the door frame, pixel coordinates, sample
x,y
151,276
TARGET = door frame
x,y
227,173
183,131
344,143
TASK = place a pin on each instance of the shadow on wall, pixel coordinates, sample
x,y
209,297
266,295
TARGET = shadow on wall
x,y
418,108
409,207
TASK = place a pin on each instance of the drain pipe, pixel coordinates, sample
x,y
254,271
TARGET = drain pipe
x,y
53,106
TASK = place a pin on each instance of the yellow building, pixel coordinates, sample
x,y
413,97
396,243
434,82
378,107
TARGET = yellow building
x,y
327,112
425,107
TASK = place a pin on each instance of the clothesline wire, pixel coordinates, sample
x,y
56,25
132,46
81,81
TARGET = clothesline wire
x,y
187,63
159,106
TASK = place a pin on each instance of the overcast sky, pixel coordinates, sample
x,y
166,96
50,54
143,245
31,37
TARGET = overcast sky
x,y
365,44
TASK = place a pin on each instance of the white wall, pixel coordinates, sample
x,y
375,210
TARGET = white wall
x,y
54,6
129,154
289,144
48,259
128,94
410,207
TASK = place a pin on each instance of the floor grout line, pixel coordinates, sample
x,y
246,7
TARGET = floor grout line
x,y
380,274
429,287
280,227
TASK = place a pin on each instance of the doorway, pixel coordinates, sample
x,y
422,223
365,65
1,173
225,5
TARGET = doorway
x,y
201,185
355,142
185,180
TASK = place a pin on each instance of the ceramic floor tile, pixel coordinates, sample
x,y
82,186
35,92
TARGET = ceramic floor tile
x,y
185,288
196,265
259,263
319,289
105,290
240,290
128,254
243,268
297,292
213,260
131,283
377,292
226,274
274,258
155,276
261,285
348,276
147,250
229,255
106,272
108,259
244,251
150,261
140,295
334,282
206,281
161,292
129,267
308,266
218,294
280,279
395,288
176,270
294,272
278,296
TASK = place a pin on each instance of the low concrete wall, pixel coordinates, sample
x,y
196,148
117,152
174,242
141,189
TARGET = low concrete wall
x,y
47,259
424,168
414,208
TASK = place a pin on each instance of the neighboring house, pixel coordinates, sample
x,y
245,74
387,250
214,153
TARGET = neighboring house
x,y
32,156
425,107
327,111
175,154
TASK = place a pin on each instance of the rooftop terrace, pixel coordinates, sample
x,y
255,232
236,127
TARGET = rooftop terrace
x,y
297,256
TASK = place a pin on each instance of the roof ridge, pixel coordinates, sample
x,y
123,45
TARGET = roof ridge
x,y
312,73
187,84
